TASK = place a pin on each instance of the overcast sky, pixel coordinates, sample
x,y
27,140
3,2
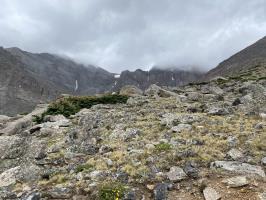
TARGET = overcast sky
x,y
130,34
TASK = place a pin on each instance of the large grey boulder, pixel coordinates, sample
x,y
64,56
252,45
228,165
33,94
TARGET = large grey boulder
x,y
17,126
237,181
9,176
11,147
238,167
176,174
131,90
4,118
156,91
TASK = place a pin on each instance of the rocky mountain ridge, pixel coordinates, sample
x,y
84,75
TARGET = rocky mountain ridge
x,y
250,57
27,78
162,77
43,77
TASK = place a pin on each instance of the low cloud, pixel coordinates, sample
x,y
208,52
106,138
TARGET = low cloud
x,y
119,34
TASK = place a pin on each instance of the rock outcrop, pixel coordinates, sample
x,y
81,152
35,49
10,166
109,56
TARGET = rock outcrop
x,y
163,144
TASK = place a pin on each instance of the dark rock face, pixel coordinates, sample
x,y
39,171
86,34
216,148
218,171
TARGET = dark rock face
x,y
251,57
27,79
167,77
66,74
20,90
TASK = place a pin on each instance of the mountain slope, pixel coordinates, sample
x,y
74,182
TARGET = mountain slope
x,y
65,73
21,90
251,57
161,77
202,140
27,79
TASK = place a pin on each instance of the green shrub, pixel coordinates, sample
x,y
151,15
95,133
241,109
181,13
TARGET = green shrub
x,y
37,119
84,167
112,191
163,147
71,105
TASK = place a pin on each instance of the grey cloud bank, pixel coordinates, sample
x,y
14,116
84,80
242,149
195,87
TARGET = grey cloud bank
x,y
130,34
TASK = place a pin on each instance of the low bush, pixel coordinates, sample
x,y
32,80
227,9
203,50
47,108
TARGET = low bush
x,y
68,106
163,147
112,191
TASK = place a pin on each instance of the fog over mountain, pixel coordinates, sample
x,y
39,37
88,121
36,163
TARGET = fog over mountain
x,y
119,35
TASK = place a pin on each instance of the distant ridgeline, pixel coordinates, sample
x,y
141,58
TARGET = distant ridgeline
x,y
27,79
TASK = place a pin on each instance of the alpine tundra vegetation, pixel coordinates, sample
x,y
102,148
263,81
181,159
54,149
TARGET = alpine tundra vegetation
x,y
202,140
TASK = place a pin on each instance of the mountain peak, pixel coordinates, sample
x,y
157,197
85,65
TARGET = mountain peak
x,y
248,58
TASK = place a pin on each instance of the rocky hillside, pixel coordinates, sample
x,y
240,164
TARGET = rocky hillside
x,y
162,77
28,78
251,57
200,141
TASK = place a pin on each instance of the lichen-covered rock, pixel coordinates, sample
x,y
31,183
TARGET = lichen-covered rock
x,y
9,176
160,191
157,91
235,154
237,181
238,167
194,96
128,146
19,125
191,170
211,194
131,90
181,127
11,147
33,196
217,111
176,174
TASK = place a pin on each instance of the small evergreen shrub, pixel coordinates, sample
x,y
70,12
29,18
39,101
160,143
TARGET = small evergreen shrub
x,y
37,119
68,106
163,147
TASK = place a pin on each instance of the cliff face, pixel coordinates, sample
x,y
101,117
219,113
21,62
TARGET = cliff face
x,y
21,90
251,57
166,77
27,79
72,77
